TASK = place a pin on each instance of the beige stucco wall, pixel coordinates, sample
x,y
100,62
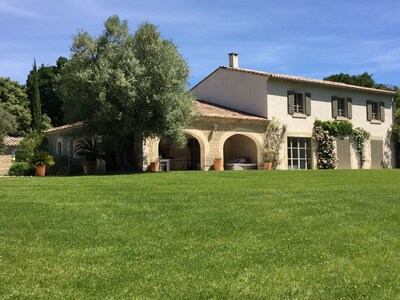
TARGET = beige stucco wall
x,y
241,91
212,135
321,108
255,94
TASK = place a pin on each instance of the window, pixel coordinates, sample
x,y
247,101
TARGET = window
x,y
299,153
59,147
341,107
375,111
299,103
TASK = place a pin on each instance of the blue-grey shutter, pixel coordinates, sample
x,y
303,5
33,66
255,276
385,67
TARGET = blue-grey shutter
x,y
382,111
308,104
290,102
334,107
369,110
349,113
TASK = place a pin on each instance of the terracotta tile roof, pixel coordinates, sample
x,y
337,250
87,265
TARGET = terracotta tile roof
x,y
207,109
63,127
12,141
310,80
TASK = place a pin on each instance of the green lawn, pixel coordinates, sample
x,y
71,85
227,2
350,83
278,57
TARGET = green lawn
x,y
200,235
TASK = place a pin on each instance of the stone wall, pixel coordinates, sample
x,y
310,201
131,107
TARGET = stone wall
x,y
212,133
5,164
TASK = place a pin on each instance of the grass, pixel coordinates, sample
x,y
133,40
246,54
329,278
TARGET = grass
x,y
200,235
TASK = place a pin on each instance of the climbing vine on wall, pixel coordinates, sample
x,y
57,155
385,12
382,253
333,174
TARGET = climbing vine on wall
x,y
360,136
274,138
325,133
326,158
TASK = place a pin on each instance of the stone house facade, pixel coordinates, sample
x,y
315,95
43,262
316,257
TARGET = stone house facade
x,y
235,106
297,102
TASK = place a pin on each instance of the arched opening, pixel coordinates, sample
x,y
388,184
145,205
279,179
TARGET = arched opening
x,y
240,153
180,159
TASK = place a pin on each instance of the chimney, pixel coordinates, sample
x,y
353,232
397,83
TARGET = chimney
x,y
233,60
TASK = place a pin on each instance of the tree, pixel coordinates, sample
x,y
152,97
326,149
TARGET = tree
x,y
7,125
14,100
363,79
50,102
36,105
126,88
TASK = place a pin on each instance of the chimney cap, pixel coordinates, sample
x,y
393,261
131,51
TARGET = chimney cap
x,y
233,53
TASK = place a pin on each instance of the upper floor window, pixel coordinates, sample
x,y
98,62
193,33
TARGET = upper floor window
x,y
341,107
299,103
375,111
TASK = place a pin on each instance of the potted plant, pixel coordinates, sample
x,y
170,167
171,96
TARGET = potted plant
x,y
267,165
218,164
90,150
155,165
41,159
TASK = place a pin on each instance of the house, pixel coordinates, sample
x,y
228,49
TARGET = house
x,y
8,156
235,105
298,102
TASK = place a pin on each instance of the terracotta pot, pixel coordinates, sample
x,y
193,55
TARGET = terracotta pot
x,y
41,170
218,165
155,166
90,167
268,166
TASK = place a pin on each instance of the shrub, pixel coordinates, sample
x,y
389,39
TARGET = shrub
x,y
21,169
336,128
32,142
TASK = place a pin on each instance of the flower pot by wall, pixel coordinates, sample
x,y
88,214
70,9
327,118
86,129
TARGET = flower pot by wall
x,y
90,167
40,170
155,166
218,165
268,166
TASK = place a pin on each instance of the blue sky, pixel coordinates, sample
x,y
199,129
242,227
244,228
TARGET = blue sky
x,y
303,38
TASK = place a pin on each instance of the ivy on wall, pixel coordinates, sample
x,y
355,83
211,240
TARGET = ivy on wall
x,y
326,158
360,135
326,132
274,138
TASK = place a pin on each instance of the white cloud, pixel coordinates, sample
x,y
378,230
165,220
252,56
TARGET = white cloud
x,y
17,10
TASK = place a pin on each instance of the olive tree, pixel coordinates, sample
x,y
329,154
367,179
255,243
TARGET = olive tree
x,y
126,87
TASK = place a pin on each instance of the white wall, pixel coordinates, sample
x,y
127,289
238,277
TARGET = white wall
x,y
238,90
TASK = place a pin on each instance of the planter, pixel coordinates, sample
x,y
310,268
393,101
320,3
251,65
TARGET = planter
x,y
155,166
90,167
218,165
41,170
267,166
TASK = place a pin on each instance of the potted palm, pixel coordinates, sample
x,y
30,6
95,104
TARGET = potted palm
x,y
41,159
91,151
218,164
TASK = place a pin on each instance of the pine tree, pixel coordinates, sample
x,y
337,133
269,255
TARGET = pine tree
x,y
36,105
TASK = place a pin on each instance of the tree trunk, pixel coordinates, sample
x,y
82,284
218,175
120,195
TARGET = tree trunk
x,y
138,153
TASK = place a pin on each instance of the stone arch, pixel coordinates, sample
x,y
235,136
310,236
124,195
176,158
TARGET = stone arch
x,y
256,138
204,145
201,139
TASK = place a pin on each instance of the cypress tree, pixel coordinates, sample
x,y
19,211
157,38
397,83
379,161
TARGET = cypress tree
x,y
36,105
